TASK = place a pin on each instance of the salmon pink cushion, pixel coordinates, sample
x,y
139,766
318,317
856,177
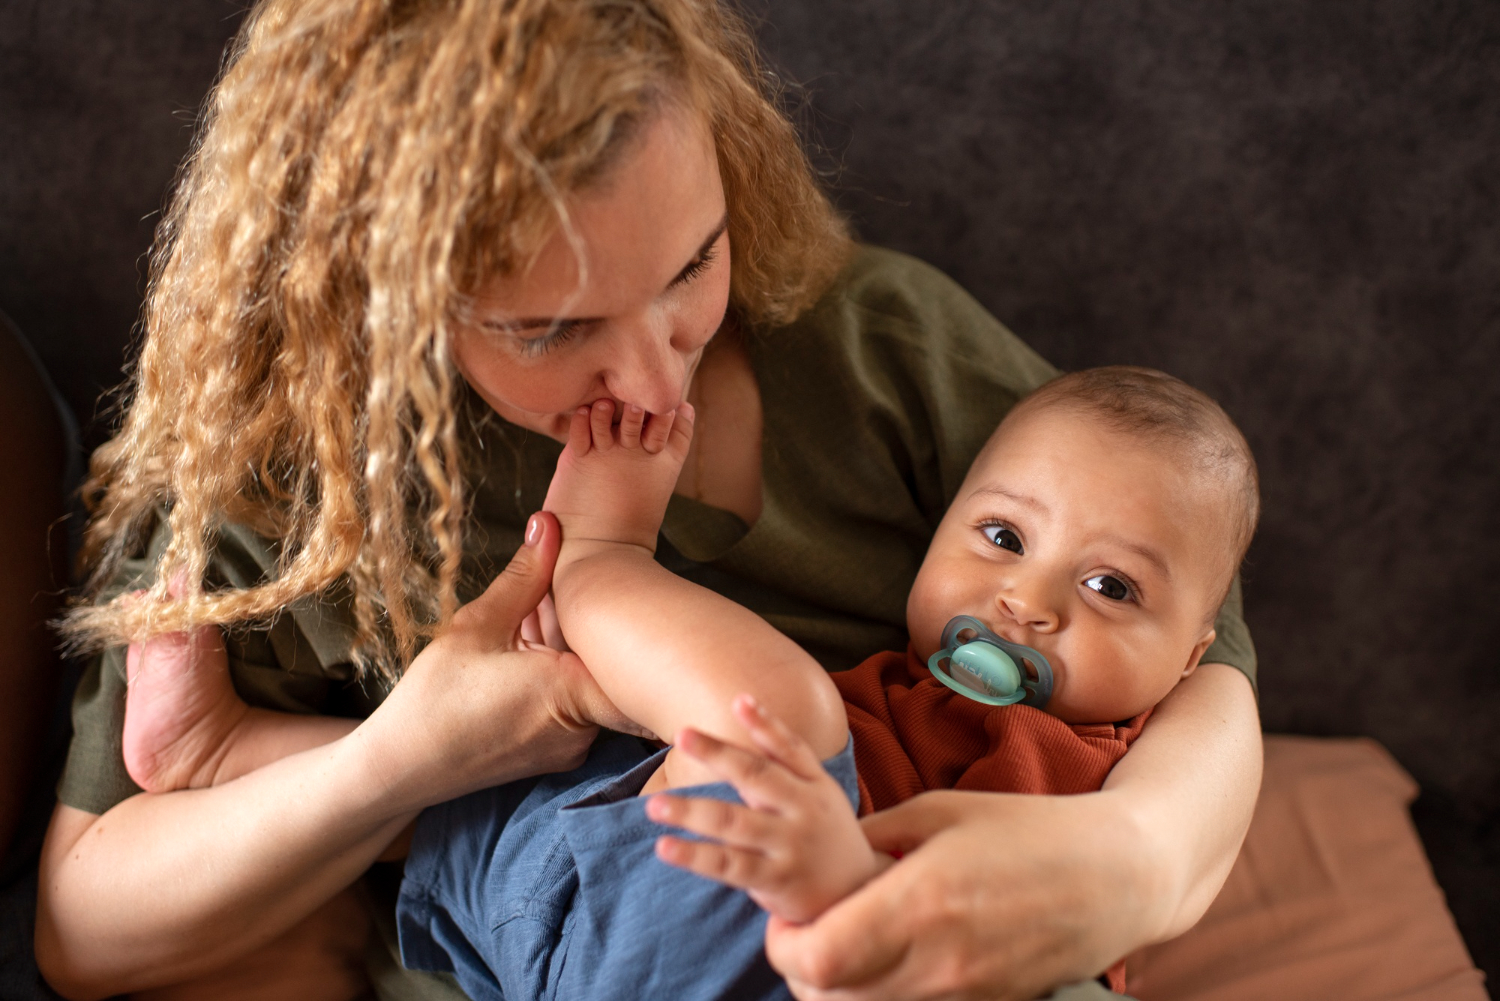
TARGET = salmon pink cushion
x,y
1331,897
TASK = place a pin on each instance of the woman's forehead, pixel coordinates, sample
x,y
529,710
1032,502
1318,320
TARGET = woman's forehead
x,y
628,233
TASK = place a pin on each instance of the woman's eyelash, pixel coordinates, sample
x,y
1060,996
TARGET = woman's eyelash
x,y
560,334
696,268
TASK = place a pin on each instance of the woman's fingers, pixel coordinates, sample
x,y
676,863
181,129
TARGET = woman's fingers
x,y
859,941
776,739
531,629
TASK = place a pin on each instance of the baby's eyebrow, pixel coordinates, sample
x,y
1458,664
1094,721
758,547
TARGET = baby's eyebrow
x,y
1145,552
1025,500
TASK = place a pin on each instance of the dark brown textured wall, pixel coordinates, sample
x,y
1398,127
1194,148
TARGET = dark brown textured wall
x,y
1294,205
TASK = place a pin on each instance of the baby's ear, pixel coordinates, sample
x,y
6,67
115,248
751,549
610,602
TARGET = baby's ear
x,y
1198,651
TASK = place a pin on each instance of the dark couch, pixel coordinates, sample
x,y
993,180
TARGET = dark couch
x,y
1293,205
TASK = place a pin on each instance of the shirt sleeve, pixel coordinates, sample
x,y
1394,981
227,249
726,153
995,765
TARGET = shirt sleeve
x,y
1232,644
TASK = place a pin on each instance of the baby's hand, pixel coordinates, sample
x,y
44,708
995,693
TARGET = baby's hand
x,y
795,846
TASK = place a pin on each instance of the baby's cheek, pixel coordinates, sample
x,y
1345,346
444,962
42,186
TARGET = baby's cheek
x,y
1104,685
936,596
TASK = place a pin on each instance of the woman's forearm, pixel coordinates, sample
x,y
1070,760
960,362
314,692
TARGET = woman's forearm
x,y
162,888
1191,781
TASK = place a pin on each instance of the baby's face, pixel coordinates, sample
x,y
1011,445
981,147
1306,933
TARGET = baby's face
x,y
1090,546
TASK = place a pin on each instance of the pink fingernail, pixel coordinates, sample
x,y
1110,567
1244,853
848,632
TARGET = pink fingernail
x,y
534,530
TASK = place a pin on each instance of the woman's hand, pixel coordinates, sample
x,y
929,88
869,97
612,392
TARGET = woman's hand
x,y
1004,896
998,896
483,704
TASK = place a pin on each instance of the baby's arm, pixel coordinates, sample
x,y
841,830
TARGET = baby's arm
x,y
795,846
668,653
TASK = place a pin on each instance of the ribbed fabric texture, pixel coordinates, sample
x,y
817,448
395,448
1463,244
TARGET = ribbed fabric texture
x,y
913,734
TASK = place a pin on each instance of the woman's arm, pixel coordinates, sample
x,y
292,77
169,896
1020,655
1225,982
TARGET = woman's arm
x,y
1009,896
164,887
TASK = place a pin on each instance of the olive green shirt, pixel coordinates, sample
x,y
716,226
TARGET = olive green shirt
x,y
875,403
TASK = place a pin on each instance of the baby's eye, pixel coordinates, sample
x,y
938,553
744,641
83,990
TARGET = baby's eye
x,y
1112,588
1005,538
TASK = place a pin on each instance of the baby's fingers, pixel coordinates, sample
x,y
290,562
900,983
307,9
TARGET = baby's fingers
x,y
761,782
736,867
777,739
733,824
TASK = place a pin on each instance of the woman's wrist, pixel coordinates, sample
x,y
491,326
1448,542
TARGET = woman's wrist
x,y
1150,878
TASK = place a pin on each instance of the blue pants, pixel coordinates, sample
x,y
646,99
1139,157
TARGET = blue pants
x,y
550,888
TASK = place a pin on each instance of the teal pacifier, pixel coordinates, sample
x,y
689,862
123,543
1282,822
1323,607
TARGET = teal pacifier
x,y
979,665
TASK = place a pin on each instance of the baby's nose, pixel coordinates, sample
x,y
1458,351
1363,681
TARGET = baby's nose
x,y
1028,610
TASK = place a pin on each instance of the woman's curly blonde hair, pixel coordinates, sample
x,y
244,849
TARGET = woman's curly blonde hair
x,y
362,165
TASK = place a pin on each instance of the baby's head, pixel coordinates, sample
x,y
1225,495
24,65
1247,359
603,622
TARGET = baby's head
x,y
1102,524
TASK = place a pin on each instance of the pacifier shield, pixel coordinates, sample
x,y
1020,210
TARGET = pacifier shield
x,y
979,665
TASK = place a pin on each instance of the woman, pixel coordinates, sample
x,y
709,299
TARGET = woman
x,y
412,239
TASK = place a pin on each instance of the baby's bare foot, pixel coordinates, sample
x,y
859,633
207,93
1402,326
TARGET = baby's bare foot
x,y
181,710
613,481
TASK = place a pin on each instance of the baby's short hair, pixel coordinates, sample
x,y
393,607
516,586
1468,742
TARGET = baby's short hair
x,y
1151,405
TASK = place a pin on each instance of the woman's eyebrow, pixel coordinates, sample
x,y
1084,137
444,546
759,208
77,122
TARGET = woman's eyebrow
x,y
548,322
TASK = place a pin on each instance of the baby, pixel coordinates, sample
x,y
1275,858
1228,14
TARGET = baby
x,y
1089,548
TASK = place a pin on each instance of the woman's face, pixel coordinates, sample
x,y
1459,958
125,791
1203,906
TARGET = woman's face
x,y
631,324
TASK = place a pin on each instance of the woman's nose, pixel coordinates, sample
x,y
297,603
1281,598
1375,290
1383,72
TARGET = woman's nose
x,y
647,368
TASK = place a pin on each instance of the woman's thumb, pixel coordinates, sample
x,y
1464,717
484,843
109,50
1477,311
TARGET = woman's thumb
x,y
519,588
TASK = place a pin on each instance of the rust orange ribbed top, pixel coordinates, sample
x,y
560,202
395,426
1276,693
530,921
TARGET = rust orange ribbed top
x,y
912,734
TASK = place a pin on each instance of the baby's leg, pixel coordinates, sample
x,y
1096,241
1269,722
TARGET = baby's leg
x,y
667,652
185,726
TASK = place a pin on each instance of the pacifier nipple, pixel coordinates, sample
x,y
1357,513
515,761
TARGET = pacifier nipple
x,y
979,665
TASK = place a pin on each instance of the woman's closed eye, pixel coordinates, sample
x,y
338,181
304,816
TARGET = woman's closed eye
x,y
556,336
1110,586
1005,537
696,267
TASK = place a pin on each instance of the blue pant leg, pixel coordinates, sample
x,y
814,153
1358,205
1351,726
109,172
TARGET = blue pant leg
x,y
645,929
551,889
488,878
